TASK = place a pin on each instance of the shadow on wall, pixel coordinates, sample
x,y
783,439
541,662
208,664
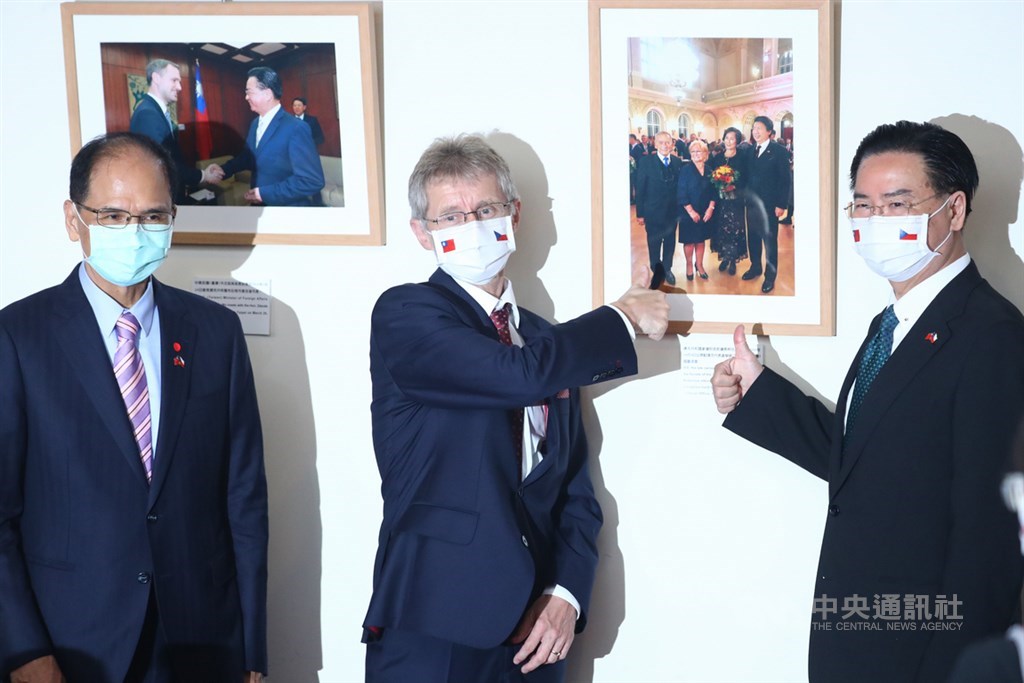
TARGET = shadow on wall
x,y
536,233
289,440
994,208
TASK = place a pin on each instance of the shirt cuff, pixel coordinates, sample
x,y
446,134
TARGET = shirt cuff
x,y
629,327
562,592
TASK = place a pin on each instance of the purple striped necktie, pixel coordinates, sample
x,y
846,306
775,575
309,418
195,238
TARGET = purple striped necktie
x,y
131,378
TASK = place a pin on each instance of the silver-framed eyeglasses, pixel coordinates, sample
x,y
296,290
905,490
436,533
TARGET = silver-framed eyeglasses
x,y
118,219
896,206
485,212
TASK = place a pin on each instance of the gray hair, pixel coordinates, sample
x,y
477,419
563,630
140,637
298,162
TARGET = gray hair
x,y
156,66
463,157
699,144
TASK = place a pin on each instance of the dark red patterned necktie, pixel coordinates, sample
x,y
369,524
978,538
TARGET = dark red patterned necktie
x,y
500,320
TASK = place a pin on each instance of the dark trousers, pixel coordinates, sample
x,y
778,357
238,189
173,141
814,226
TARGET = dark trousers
x,y
408,657
661,243
762,228
151,663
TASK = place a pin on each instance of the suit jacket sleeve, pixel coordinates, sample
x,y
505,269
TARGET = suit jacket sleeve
x,y
436,358
307,177
315,129
148,120
642,181
243,161
23,636
579,521
987,410
782,176
247,503
777,416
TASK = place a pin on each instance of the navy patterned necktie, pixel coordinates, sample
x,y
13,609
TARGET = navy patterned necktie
x,y
875,356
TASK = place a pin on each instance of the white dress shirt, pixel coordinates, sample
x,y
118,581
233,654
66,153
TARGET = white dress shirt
x,y
261,126
534,426
107,311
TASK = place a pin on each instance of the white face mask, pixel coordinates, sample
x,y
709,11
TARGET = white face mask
x,y
475,252
895,247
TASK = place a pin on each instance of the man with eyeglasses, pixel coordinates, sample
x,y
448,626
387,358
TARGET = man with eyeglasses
x,y
657,210
919,557
487,550
133,502
279,149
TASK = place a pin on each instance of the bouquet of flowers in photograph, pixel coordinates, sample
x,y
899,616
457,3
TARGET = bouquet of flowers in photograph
x,y
724,179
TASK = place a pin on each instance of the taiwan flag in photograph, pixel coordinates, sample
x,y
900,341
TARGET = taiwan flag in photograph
x,y
447,245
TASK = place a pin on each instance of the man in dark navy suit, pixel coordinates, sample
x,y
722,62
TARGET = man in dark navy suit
x,y
914,452
279,149
300,109
657,210
152,118
767,199
487,550
133,501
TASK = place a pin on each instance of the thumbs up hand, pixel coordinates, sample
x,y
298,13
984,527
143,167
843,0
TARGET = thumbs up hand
x,y
647,309
732,378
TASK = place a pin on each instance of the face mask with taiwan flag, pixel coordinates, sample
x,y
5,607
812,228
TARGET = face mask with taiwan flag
x,y
895,247
475,252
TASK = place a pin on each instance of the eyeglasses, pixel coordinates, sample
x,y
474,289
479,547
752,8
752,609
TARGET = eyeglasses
x,y
859,208
116,219
486,212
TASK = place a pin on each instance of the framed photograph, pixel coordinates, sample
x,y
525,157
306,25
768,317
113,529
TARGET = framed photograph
x,y
316,61
727,193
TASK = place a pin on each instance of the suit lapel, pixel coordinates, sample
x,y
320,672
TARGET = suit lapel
x,y
175,328
916,350
82,342
272,127
557,410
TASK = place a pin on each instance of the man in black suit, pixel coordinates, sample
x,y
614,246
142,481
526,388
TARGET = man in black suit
x,y
656,207
768,195
915,533
299,106
152,118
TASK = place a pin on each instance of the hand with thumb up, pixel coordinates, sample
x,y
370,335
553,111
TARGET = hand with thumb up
x,y
732,378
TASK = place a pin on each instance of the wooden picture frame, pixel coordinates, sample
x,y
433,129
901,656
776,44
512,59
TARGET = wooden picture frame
x,y
694,61
343,31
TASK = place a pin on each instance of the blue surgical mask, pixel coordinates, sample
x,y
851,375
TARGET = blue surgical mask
x,y
126,256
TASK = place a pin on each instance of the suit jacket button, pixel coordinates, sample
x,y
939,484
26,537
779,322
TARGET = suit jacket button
x,y
833,510
151,517
143,577
525,542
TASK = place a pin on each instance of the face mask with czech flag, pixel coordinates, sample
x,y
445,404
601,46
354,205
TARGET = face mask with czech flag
x,y
475,252
895,247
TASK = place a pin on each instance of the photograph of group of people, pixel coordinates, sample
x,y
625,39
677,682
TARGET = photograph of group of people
x,y
253,125
711,164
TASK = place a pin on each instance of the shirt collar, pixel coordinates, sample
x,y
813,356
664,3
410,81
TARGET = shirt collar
x,y
909,307
266,118
163,107
490,303
107,311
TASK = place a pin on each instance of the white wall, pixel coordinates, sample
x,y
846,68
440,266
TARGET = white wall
x,y
710,544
